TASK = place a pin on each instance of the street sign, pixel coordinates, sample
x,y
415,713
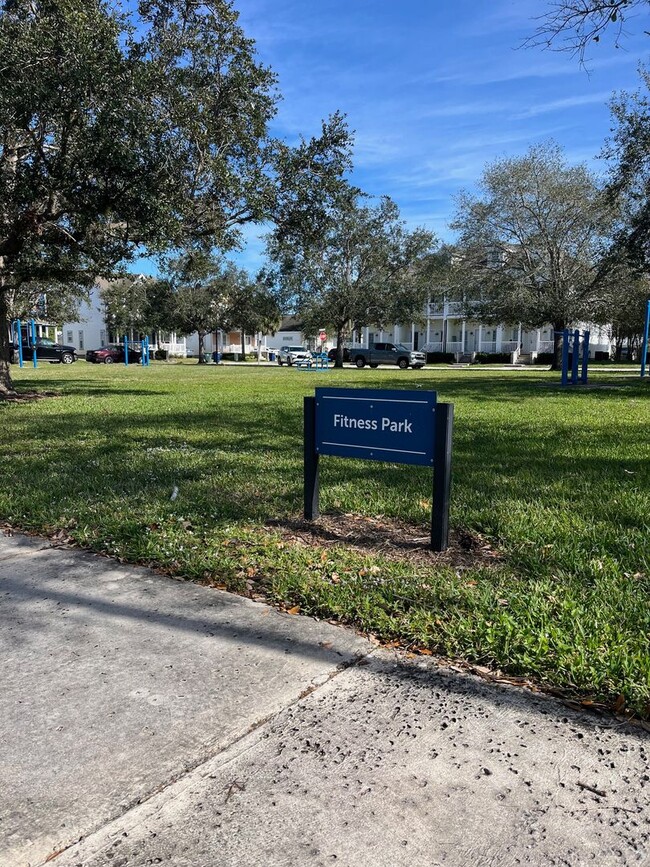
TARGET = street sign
x,y
380,425
408,427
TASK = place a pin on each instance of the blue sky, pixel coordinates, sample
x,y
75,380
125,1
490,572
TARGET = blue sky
x,y
433,90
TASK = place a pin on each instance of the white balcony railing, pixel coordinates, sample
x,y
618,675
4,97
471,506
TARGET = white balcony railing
x,y
432,346
176,349
487,346
509,345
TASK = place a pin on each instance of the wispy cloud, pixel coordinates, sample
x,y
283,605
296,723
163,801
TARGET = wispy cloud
x,y
560,105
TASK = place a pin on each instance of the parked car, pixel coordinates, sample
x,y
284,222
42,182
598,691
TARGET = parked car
x,y
346,354
290,354
388,353
46,350
113,354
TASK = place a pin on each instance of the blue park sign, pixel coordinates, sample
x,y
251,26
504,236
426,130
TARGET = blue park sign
x,y
376,424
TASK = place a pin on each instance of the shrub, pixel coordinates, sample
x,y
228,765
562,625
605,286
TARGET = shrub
x,y
440,357
493,357
544,358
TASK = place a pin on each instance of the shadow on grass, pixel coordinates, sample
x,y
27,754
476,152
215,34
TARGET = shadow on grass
x,y
250,464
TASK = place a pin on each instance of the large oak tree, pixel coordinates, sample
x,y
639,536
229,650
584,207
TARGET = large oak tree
x,y
124,128
531,243
359,266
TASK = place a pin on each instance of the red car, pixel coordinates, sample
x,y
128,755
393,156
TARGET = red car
x,y
112,354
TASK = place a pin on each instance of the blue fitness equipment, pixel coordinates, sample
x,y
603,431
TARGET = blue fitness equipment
x,y
144,358
575,357
317,362
144,355
17,337
644,348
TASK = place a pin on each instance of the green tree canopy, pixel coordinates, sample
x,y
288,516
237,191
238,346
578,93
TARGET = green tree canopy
x,y
200,290
252,307
124,127
362,266
530,244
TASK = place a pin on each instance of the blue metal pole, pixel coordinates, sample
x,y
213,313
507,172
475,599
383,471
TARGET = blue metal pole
x,y
644,348
565,357
33,329
585,357
126,351
147,341
20,343
576,357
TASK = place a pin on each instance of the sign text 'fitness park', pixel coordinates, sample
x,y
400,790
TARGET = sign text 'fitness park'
x,y
376,424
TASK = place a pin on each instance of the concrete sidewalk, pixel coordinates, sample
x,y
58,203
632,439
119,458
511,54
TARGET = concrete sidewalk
x,y
159,722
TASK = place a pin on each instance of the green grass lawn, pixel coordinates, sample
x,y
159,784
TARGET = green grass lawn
x,y
556,481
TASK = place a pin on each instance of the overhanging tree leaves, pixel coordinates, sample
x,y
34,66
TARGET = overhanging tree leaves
x,y
361,267
120,129
572,25
530,245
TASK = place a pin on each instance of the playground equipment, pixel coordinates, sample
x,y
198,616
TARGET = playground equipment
x,y
17,338
577,365
144,352
317,361
644,347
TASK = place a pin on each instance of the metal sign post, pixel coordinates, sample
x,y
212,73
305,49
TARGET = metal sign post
x,y
408,427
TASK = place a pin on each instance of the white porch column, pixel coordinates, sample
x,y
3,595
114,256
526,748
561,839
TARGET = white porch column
x,y
519,337
462,336
499,338
428,327
412,336
538,338
381,336
480,335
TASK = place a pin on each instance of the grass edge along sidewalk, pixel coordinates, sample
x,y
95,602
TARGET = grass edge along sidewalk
x,y
557,483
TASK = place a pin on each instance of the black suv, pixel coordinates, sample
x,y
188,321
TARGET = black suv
x,y
46,350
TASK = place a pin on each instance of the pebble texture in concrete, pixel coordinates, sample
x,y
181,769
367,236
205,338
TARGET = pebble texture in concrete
x,y
116,681
398,763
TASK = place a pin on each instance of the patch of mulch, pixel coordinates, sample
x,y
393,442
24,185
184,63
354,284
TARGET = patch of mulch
x,y
388,537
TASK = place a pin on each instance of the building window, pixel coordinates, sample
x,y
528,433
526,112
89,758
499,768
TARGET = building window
x,y
81,339
70,336
102,338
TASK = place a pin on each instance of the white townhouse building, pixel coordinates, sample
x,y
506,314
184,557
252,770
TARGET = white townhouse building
x,y
443,328
91,331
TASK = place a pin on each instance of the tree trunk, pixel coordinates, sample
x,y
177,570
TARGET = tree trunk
x,y
618,350
339,348
201,339
558,328
6,385
243,346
